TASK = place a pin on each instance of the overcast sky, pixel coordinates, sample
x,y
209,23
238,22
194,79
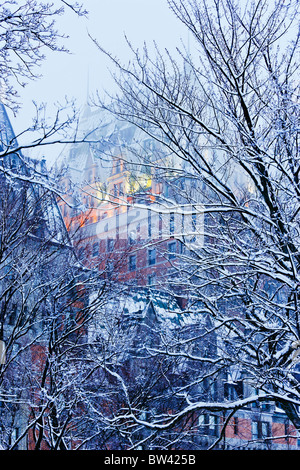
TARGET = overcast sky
x,y
85,69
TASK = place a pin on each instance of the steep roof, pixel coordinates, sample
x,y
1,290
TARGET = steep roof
x,y
103,139
20,172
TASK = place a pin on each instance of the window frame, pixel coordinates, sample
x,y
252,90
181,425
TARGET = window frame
x,y
151,256
132,263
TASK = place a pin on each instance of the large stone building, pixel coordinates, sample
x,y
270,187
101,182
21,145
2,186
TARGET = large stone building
x,y
38,266
124,216
132,228
134,220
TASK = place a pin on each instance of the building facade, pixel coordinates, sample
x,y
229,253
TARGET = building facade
x,y
136,227
39,272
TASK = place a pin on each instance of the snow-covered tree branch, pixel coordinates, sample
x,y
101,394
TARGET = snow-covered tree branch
x,y
227,109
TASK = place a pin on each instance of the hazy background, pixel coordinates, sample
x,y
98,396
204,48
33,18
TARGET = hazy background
x,y
85,69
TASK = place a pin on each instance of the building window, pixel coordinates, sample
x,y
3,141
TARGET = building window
x,y
265,429
230,391
261,429
132,262
151,256
132,237
110,244
172,223
265,406
95,249
201,424
172,250
13,315
117,214
152,279
149,223
213,425
235,426
213,390
194,222
233,391
182,224
208,424
160,224
255,433
109,267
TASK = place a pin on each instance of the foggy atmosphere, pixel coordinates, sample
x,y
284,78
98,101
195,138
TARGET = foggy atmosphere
x,y
149,241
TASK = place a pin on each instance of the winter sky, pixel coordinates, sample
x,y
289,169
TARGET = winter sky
x,y
85,69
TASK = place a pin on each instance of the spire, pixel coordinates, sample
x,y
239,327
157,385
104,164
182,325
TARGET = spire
x,y
52,223
7,135
8,142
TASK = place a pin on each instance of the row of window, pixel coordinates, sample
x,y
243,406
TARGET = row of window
x,y
261,429
118,191
209,425
171,223
152,255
